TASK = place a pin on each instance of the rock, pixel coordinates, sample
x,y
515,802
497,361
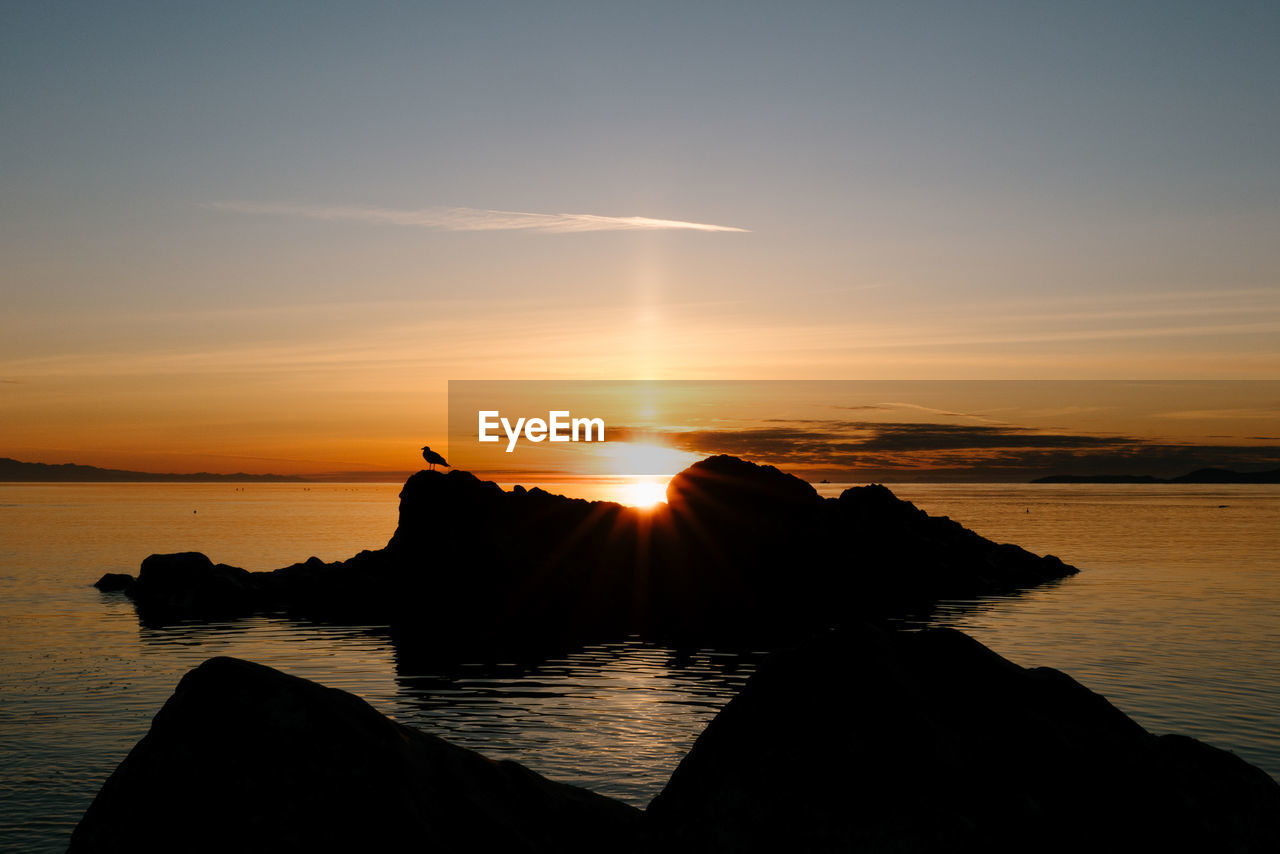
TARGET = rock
x,y
864,740
113,582
188,583
742,554
876,741
245,758
724,486
917,552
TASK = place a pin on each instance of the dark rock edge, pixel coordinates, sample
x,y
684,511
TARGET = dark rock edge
x,y
739,546
859,740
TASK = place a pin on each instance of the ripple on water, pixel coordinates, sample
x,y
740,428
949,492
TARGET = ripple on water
x,y
1174,620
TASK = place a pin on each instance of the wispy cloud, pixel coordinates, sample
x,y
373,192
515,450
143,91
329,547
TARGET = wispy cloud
x,y
1270,413
892,406
471,219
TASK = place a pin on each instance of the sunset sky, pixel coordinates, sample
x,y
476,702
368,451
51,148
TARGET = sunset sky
x,y
264,237
861,430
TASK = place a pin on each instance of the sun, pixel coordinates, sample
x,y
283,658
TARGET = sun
x,y
644,491
642,470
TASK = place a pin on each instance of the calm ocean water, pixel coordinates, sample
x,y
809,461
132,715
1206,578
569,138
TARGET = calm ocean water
x,y
1175,618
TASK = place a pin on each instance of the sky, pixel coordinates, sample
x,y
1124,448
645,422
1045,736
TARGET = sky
x,y
264,237
866,430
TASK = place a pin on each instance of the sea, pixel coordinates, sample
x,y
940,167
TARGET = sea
x,y
1174,617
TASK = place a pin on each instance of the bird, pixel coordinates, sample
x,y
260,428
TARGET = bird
x,y
433,458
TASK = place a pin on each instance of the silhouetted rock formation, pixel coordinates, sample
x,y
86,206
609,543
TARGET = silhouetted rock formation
x,y
245,758
862,741
741,549
930,742
188,582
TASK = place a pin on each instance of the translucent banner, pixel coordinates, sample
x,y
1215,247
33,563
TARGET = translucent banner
x,y
888,431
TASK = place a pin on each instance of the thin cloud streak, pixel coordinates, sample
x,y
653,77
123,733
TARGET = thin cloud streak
x,y
1267,414
472,219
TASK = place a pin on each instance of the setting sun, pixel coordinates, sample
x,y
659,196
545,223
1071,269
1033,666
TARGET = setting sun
x,y
644,491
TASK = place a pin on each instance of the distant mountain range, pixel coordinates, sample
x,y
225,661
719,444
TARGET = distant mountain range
x,y
16,471
1198,476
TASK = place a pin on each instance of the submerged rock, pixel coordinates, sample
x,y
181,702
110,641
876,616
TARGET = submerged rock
x,y
741,553
874,741
245,758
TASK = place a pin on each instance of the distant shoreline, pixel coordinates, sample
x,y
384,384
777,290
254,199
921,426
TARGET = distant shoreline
x,y
1205,476
15,471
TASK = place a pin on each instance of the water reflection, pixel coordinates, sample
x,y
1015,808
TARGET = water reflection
x,y
612,717
615,717
963,613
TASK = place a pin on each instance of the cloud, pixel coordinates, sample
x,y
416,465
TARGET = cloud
x,y
939,437
471,219
1268,413
842,438
1014,453
891,406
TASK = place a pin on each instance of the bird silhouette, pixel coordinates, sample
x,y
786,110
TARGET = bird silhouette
x,y
433,458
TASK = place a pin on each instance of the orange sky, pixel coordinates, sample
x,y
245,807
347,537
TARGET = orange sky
x,y
367,401
268,246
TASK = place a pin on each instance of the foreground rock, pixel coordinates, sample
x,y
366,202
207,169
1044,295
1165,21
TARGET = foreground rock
x,y
865,741
245,758
739,551
930,742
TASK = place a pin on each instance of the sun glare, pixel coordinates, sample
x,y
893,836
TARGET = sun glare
x,y
644,491
636,458
644,470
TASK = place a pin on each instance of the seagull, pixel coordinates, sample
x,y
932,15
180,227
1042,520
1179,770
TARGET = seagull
x,y
433,458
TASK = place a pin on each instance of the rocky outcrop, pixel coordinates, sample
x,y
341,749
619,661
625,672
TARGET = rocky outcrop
x,y
874,741
245,758
861,741
189,581
933,555
739,549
